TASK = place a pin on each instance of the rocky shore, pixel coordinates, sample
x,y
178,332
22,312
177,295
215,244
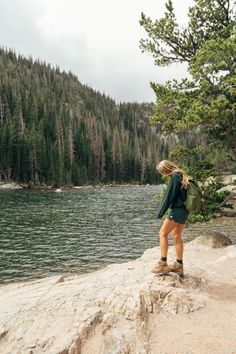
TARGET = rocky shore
x,y
125,308
65,188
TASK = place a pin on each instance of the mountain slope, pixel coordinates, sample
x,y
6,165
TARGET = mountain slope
x,y
54,130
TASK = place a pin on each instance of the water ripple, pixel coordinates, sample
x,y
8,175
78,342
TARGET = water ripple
x,y
45,233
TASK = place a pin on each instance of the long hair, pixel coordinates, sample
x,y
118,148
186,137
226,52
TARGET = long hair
x,y
167,168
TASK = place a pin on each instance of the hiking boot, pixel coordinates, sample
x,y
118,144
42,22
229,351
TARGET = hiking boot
x,y
177,268
161,268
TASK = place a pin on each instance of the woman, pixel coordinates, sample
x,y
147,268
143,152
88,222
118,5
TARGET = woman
x,y
174,197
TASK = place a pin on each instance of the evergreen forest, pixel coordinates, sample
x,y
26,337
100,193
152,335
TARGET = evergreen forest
x,y
56,131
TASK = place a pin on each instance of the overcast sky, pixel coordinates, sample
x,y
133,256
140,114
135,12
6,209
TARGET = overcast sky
x,y
98,40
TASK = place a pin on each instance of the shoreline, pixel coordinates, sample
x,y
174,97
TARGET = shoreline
x,y
15,185
228,179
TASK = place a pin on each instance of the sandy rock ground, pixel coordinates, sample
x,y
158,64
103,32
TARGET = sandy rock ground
x,y
212,329
125,308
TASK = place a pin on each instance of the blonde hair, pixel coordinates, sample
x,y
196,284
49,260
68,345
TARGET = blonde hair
x,y
167,168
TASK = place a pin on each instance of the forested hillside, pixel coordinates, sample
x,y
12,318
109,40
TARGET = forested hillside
x,y
54,130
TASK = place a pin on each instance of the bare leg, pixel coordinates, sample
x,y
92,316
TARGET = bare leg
x,y
167,227
177,232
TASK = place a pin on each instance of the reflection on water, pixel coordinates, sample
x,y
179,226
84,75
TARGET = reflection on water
x,y
45,233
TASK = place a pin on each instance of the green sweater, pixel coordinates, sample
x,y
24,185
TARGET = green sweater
x,y
174,196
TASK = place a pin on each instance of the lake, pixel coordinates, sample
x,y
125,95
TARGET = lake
x,y
77,231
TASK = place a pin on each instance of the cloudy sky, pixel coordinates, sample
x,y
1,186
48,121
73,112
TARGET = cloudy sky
x,y
98,40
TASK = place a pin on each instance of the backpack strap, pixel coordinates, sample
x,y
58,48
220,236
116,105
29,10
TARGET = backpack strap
x,y
203,213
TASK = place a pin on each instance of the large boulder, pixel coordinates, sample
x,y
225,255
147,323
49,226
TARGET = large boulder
x,y
230,199
229,179
107,311
212,239
230,188
115,310
11,186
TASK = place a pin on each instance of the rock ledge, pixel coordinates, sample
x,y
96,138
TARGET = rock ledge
x,y
108,311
